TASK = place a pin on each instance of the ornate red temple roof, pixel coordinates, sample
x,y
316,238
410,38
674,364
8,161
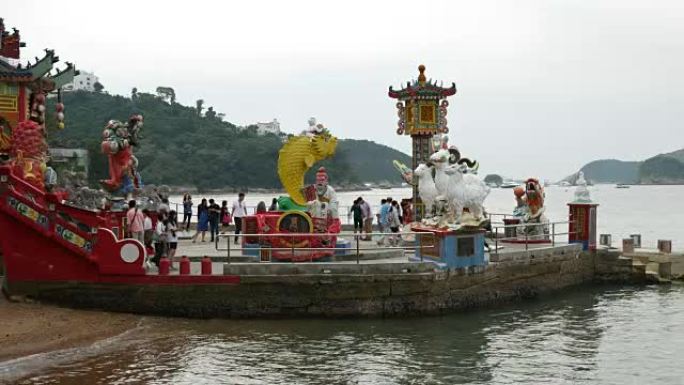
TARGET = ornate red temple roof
x,y
422,89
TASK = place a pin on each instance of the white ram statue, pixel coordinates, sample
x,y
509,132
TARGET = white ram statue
x,y
465,190
426,187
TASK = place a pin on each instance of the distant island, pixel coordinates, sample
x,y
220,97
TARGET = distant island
x,y
660,169
184,147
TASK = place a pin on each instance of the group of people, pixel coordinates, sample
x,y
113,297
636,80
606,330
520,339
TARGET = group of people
x,y
211,216
363,218
390,220
162,237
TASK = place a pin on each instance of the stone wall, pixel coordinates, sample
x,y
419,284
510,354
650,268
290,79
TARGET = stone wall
x,y
334,290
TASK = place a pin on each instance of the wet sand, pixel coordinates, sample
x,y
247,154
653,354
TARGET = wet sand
x,y
30,328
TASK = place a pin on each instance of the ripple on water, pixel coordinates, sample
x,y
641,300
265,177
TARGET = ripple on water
x,y
585,336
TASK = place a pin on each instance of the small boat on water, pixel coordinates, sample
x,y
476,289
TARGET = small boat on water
x,y
509,184
621,185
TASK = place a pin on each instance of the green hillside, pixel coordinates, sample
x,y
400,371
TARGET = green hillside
x,y
181,147
661,169
611,171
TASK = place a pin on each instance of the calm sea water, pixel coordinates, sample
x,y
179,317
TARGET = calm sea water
x,y
592,335
586,335
655,212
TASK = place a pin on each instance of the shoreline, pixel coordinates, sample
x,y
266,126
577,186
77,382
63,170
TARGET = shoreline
x,y
32,328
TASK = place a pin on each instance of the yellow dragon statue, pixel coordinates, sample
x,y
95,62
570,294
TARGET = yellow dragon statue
x,y
299,154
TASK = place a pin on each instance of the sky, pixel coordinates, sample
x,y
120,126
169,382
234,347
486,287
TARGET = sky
x,y
543,86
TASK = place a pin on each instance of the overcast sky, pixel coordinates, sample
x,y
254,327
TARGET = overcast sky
x,y
543,86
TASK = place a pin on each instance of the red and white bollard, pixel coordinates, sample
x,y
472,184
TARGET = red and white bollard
x,y
184,265
206,265
164,266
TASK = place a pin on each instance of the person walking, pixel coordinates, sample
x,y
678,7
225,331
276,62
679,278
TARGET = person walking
x,y
136,222
357,213
367,216
172,235
214,212
394,222
224,215
148,228
187,211
202,220
239,211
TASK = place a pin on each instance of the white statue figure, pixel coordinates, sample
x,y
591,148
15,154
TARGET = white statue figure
x,y
465,191
426,188
440,159
581,192
314,129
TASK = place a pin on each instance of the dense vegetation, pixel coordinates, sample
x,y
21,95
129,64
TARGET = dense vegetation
x,y
183,147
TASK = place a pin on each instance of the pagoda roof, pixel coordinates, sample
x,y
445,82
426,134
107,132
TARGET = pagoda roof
x,y
422,88
64,76
31,72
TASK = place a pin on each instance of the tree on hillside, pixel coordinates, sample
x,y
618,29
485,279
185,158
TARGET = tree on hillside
x,y
211,114
134,93
167,94
98,87
494,178
200,103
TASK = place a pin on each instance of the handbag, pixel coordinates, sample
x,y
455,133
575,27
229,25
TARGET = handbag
x,y
226,219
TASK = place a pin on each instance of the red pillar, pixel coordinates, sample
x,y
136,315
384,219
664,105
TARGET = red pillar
x,y
582,228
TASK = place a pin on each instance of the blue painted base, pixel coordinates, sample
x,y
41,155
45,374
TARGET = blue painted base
x,y
452,249
343,244
251,249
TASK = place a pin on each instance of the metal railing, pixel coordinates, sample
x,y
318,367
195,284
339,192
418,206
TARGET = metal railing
x,y
526,238
293,237
344,212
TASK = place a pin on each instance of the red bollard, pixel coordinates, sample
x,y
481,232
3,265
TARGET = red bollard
x,y
184,266
206,265
164,266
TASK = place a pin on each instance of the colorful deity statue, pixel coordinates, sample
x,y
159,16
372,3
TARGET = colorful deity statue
x,y
297,156
118,140
530,207
324,207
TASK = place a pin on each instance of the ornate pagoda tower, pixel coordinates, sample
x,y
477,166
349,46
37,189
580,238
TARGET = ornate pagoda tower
x,y
23,88
422,110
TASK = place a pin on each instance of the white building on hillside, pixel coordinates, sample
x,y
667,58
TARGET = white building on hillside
x,y
84,81
269,127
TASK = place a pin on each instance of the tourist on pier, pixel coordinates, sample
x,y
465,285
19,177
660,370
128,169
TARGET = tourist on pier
x,y
224,215
394,222
187,211
239,211
357,213
214,212
367,217
171,235
148,228
160,234
202,220
136,222
383,220
274,205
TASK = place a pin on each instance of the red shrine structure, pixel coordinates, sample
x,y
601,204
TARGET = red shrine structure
x,y
422,109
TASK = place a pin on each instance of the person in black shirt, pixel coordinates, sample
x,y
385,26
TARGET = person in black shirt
x,y
214,211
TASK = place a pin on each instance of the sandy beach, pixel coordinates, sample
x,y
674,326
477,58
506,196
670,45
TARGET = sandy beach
x,y
30,328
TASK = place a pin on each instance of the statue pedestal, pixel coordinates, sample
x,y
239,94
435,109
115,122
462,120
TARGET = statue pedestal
x,y
450,248
582,226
